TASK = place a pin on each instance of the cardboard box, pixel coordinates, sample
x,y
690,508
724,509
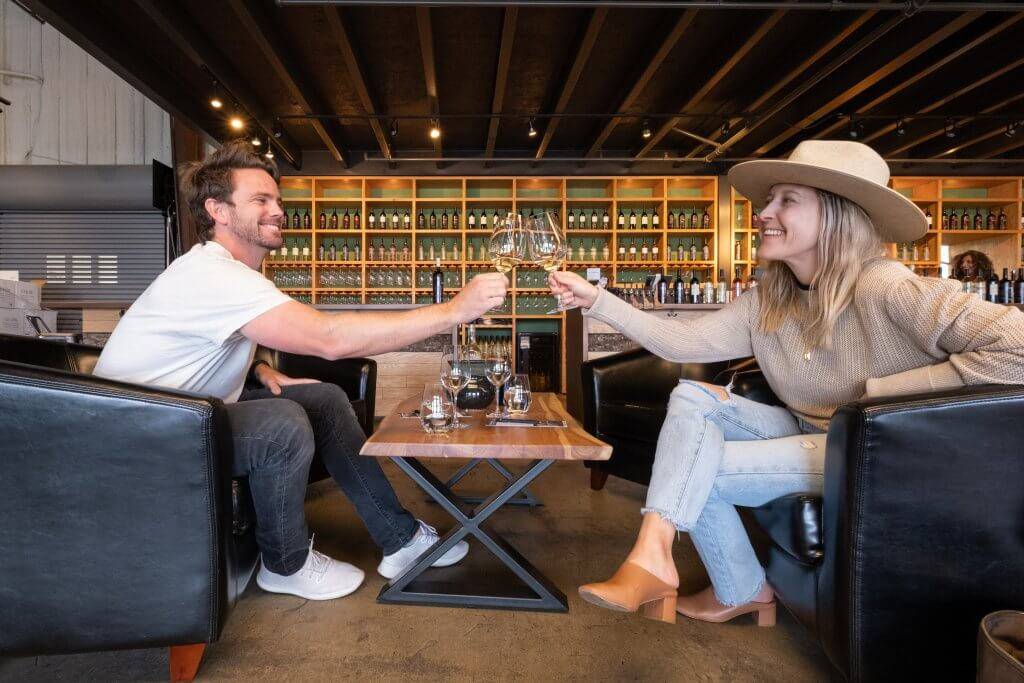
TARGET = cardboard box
x,y
16,321
15,294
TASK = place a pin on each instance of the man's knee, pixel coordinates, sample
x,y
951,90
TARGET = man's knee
x,y
289,428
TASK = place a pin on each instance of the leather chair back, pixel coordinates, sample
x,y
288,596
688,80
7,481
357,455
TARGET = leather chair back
x,y
58,355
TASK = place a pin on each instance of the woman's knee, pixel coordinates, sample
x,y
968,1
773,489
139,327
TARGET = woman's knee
x,y
701,392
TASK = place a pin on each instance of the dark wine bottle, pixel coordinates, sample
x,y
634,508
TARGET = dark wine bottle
x,y
437,283
679,288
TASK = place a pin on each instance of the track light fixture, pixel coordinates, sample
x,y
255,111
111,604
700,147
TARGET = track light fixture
x,y
726,128
435,129
901,129
236,122
1011,129
256,142
278,131
269,153
531,131
950,128
645,131
855,128
216,99
394,128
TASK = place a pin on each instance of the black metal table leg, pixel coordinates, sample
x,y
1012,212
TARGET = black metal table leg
x,y
524,499
410,589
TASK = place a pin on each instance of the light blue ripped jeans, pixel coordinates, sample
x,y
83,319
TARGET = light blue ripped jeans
x,y
715,454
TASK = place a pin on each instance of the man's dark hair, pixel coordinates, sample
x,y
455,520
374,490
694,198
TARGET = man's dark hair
x,y
211,179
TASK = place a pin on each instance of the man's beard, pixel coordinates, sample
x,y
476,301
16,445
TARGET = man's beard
x,y
249,231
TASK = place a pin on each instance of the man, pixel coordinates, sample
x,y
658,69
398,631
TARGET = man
x,y
196,328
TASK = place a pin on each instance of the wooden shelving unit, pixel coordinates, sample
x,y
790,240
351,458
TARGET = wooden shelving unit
x,y
354,280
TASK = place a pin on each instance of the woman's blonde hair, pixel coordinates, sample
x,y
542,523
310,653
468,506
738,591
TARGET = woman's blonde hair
x,y
847,242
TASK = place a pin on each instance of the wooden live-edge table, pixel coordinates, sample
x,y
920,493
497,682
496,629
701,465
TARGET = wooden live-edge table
x,y
404,441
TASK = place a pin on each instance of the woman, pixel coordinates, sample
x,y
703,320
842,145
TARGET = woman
x,y
834,320
970,265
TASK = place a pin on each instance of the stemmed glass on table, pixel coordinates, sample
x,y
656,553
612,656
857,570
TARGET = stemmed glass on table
x,y
455,375
498,368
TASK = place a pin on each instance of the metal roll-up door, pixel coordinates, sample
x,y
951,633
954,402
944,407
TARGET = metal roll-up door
x,y
86,257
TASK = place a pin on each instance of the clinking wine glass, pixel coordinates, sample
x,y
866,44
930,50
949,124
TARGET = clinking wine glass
x,y
507,245
455,375
547,246
498,368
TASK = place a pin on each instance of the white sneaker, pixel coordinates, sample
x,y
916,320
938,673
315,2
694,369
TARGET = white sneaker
x,y
321,578
397,562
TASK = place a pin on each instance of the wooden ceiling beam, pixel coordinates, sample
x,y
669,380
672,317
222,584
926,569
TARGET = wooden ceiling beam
x,y
936,133
508,34
722,72
949,98
187,36
891,66
807,84
797,72
924,73
669,42
1008,147
281,60
426,34
594,23
343,39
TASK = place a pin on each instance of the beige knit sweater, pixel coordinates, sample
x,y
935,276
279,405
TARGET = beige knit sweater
x,y
902,334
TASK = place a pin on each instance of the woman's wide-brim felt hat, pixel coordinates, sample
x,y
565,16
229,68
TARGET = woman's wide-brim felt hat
x,y
849,169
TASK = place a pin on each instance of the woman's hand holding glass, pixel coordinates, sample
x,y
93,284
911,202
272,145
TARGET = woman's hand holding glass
x,y
571,289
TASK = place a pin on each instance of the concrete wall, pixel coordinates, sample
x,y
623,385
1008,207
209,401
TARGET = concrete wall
x,y
67,107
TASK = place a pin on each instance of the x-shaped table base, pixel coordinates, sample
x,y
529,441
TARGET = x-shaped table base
x,y
406,590
525,499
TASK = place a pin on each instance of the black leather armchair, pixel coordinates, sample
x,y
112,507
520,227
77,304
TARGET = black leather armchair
x,y
920,531
122,494
120,526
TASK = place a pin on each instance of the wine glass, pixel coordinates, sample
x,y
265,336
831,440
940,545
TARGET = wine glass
x,y
507,245
547,246
455,375
517,394
437,412
498,368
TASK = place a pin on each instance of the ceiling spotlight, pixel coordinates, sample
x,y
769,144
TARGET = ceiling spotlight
x,y
216,100
855,128
236,122
1011,129
435,129
901,129
950,128
394,128
645,131
532,132
726,129
256,142
270,153
277,132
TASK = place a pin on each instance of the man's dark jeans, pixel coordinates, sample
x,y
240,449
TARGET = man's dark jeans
x,y
275,438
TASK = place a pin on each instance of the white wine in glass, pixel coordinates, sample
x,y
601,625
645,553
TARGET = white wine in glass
x,y
547,246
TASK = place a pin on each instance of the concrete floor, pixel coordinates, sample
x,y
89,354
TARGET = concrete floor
x,y
577,537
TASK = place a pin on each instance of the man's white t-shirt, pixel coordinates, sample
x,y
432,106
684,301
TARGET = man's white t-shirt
x,y
183,332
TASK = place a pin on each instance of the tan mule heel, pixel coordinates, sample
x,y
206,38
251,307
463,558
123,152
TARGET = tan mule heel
x,y
634,588
704,606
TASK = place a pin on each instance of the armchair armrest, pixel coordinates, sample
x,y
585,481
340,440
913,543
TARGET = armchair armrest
x,y
924,530
635,380
356,376
116,503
